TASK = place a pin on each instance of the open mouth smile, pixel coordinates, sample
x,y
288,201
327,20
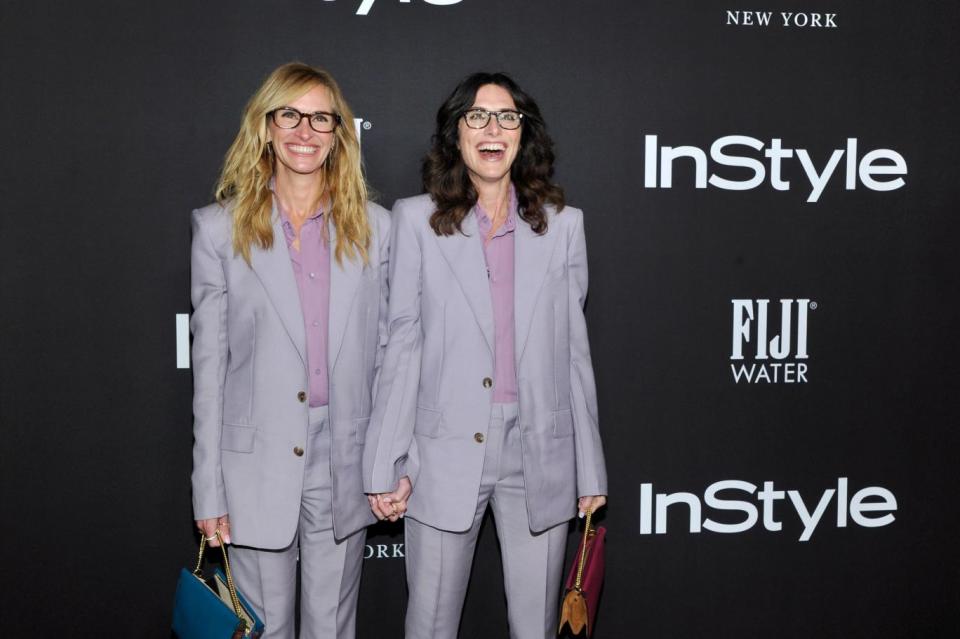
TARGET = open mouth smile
x,y
492,151
303,149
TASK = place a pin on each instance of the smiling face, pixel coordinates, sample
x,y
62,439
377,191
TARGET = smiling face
x,y
489,152
302,150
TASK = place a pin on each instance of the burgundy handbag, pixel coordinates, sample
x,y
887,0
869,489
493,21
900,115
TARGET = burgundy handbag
x,y
582,591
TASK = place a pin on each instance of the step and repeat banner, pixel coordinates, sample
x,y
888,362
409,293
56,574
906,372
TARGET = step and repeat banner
x,y
770,195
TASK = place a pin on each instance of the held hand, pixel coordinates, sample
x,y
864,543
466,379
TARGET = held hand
x,y
208,528
591,503
396,501
392,505
374,500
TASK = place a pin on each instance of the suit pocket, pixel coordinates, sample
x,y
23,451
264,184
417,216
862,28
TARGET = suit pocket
x,y
563,423
428,422
237,438
360,429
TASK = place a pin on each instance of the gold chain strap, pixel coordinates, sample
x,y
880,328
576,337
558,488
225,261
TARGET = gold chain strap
x,y
226,569
583,555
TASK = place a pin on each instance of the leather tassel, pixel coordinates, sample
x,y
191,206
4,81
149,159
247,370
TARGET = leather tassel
x,y
573,613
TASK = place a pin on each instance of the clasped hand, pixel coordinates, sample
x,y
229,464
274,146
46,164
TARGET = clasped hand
x,y
391,506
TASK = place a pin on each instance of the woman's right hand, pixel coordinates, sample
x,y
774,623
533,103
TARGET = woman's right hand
x,y
208,528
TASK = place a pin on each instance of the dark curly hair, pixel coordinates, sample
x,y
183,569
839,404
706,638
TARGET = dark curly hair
x,y
445,176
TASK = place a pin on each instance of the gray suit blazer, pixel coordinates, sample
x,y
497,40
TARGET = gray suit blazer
x,y
432,403
250,379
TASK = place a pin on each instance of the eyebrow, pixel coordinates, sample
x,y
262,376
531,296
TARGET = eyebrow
x,y
305,112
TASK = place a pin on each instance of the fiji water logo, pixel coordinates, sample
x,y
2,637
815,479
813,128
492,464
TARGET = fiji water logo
x,y
765,352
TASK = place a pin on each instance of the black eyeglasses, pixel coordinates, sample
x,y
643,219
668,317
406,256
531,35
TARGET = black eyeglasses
x,y
480,118
319,121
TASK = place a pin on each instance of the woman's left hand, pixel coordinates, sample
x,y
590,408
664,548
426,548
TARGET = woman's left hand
x,y
391,506
591,503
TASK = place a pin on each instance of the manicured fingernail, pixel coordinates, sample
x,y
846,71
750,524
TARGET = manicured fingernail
x,y
581,515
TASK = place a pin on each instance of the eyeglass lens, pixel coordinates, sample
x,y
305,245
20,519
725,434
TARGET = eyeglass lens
x,y
480,118
290,119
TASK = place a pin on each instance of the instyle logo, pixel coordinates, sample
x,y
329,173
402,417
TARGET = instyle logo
x,y
877,170
366,5
869,507
788,19
769,358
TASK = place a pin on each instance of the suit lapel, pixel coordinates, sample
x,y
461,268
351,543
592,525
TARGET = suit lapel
x,y
532,254
275,273
464,254
345,280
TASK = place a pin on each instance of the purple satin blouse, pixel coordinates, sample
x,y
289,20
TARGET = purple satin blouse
x,y
311,268
499,254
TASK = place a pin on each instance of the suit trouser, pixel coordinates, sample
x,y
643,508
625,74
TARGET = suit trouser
x,y
329,569
438,562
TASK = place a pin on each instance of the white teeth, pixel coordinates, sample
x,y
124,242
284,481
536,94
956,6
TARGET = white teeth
x,y
492,147
296,148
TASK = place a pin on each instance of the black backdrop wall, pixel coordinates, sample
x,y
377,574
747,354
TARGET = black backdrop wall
x,y
796,481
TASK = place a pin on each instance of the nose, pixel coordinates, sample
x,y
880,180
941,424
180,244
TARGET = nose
x,y
493,126
303,129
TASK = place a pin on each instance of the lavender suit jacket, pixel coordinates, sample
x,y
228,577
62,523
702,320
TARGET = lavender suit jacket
x,y
432,406
250,379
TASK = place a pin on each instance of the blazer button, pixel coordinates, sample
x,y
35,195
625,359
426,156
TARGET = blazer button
x,y
487,382
478,437
302,396
298,451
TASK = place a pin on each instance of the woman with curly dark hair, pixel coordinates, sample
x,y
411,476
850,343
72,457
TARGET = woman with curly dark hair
x,y
486,393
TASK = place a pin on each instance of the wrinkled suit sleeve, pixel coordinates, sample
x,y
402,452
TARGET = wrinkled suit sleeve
x,y
383,222
390,434
591,467
208,292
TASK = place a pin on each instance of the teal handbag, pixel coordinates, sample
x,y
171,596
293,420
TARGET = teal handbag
x,y
214,609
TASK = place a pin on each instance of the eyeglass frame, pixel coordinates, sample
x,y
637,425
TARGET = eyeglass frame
x,y
490,115
337,119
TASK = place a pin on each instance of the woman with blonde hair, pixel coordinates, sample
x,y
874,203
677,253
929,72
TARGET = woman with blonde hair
x,y
289,294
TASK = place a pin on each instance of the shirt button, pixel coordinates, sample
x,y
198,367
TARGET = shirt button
x,y
298,451
317,371
478,437
316,323
487,382
313,275
302,396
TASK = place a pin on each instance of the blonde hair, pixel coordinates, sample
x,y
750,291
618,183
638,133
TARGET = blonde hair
x,y
244,185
